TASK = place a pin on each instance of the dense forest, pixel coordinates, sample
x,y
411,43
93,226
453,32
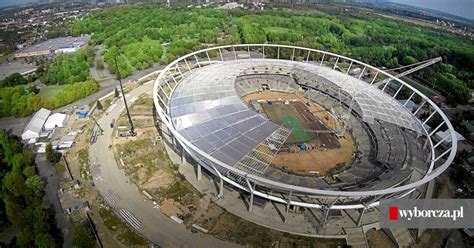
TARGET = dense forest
x,y
68,68
13,79
22,192
141,35
18,97
22,100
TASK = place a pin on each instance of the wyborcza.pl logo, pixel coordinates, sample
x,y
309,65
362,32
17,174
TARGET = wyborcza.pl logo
x,y
436,213
395,213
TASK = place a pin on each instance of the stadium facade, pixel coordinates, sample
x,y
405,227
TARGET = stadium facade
x,y
198,98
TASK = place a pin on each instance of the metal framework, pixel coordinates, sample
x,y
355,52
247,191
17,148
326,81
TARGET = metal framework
x,y
440,157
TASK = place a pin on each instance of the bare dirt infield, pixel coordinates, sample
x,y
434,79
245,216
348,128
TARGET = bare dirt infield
x,y
313,161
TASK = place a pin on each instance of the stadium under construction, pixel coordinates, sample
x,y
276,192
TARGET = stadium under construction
x,y
244,114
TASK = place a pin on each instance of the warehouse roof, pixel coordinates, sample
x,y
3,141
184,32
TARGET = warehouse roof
x,y
55,120
36,124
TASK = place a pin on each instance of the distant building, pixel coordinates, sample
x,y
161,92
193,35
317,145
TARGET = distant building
x,y
54,46
67,49
35,127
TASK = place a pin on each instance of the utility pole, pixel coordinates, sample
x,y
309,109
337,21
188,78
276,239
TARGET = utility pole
x,y
132,129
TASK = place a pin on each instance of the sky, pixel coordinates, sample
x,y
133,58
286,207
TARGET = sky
x,y
463,8
4,3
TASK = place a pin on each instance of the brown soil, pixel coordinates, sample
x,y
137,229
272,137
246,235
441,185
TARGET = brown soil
x,y
316,161
378,239
86,193
158,180
169,208
432,238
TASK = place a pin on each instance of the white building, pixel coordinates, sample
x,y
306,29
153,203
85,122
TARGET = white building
x,y
67,141
55,120
67,49
35,127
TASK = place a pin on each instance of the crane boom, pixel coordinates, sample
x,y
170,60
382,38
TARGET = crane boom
x,y
426,64
420,65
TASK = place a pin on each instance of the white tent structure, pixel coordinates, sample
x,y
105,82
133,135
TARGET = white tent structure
x,y
36,124
55,120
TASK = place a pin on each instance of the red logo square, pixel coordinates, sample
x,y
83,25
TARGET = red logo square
x,y
393,213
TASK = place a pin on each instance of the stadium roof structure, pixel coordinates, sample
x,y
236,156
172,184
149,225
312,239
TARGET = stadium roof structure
x,y
207,111
196,99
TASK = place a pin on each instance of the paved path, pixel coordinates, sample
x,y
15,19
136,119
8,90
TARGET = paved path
x,y
51,200
114,185
15,125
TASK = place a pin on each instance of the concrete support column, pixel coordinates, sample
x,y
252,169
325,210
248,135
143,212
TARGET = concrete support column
x,y
173,141
288,206
251,201
221,187
183,156
326,215
251,194
199,172
359,220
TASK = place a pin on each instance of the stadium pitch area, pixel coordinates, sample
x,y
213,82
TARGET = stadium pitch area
x,y
305,126
327,151
284,113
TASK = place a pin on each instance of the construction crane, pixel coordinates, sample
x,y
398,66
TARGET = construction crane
x,y
100,128
421,65
132,128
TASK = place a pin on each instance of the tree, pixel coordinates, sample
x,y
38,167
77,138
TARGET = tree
x,y
14,182
35,184
99,64
51,155
13,79
69,68
45,240
22,194
82,237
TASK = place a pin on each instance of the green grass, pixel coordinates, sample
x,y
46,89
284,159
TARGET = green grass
x,y
135,146
48,92
83,156
60,167
124,234
180,191
247,233
299,134
286,115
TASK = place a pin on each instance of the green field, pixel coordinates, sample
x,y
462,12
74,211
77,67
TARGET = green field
x,y
287,116
49,91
